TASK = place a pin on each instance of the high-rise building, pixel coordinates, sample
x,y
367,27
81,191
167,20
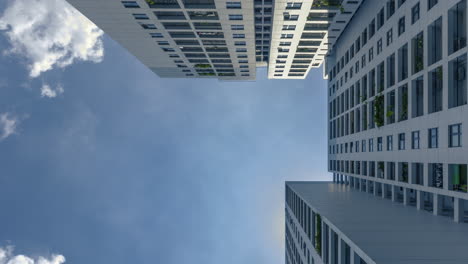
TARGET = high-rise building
x,y
397,97
329,223
223,39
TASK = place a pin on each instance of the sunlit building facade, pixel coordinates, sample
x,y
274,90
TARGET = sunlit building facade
x,y
329,223
223,39
397,96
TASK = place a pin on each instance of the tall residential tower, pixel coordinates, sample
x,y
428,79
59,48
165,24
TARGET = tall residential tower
x,y
223,39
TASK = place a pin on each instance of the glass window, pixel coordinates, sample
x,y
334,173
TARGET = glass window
x,y
401,141
389,143
455,136
434,47
130,4
237,27
457,27
457,82
401,26
140,16
233,5
147,26
415,139
431,4
418,52
379,144
389,37
433,137
435,90
415,13
293,5
371,145
236,17
403,63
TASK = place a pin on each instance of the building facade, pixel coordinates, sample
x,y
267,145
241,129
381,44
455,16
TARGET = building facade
x,y
397,104
223,39
329,223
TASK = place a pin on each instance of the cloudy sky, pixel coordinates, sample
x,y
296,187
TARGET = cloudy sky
x,y
104,162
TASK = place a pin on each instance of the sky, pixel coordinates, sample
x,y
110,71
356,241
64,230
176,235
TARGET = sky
x,y
102,161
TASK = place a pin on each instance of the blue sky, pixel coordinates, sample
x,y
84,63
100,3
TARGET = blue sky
x,y
104,162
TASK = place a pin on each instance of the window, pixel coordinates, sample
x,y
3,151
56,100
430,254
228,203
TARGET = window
x,y
293,5
363,145
457,82
287,36
391,70
371,30
240,43
379,46
389,143
417,97
237,27
238,35
401,141
433,137
283,43
403,103
170,15
379,144
436,175
163,43
400,3
241,50
364,37
455,136
403,63
140,16
233,5
415,13
169,50
289,27
380,19
236,17
435,90
371,145
371,54
418,52
431,4
156,35
401,26
415,139
287,16
457,27
389,37
147,26
130,4
390,8
434,47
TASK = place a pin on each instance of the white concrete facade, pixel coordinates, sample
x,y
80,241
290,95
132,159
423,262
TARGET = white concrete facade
x,y
221,38
302,33
398,104
337,224
182,38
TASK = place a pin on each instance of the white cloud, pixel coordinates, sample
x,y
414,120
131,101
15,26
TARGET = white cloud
x,y
50,33
8,125
7,257
47,91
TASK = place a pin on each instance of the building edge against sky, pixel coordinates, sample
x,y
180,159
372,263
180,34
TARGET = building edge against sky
x,y
223,39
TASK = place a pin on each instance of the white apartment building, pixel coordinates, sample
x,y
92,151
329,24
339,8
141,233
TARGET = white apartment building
x,y
303,31
329,223
398,104
223,39
181,38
